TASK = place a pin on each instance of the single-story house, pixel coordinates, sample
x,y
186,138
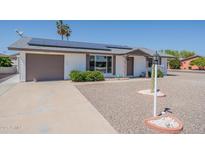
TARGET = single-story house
x,y
47,59
185,64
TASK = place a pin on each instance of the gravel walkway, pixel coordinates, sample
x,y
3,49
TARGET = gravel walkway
x,y
126,110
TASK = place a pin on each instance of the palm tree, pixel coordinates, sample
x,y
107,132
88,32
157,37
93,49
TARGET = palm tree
x,y
63,29
68,31
60,28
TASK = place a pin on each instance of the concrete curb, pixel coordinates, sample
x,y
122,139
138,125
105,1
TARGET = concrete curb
x,y
187,71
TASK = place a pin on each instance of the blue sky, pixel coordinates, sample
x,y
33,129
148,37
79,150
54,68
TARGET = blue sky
x,y
157,35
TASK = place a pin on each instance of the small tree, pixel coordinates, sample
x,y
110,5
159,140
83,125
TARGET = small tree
x,y
179,54
200,62
186,54
174,63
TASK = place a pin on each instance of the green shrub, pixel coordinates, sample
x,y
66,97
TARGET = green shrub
x,y
200,62
174,63
160,74
5,62
98,76
79,76
89,76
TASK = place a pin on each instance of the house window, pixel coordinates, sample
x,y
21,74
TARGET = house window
x,y
101,63
92,63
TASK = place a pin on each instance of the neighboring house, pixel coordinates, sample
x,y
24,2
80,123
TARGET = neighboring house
x,y
46,59
185,63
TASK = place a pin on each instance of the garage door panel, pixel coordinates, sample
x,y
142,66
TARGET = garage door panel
x,y
44,67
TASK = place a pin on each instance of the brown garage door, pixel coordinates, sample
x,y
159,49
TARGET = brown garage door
x,y
44,67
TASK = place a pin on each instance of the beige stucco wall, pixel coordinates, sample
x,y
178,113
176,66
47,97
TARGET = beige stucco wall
x,y
74,62
164,65
121,63
139,65
22,66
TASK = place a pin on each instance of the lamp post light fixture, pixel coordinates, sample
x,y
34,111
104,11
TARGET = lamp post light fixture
x,y
156,58
165,123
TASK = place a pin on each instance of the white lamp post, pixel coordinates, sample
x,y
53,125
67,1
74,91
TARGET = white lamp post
x,y
166,123
155,61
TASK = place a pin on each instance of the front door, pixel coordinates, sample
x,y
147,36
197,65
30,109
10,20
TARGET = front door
x,y
130,66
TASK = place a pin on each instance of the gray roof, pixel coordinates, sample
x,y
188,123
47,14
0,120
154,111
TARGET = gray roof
x,y
49,45
188,58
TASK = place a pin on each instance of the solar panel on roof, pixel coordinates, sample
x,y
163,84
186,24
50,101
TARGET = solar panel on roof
x,y
118,47
66,44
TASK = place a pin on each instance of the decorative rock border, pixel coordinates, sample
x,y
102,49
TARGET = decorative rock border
x,y
148,92
164,129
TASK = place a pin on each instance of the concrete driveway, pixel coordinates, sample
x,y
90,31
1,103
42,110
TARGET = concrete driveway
x,y
4,77
49,107
8,82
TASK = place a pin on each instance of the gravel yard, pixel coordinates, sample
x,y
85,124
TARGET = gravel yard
x,y
126,110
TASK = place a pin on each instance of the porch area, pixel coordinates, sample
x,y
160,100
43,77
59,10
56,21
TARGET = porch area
x,y
137,63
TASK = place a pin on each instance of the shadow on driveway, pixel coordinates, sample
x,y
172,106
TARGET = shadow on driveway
x,y
4,77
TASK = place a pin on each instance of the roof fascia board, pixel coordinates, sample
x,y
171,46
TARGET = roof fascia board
x,y
58,51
